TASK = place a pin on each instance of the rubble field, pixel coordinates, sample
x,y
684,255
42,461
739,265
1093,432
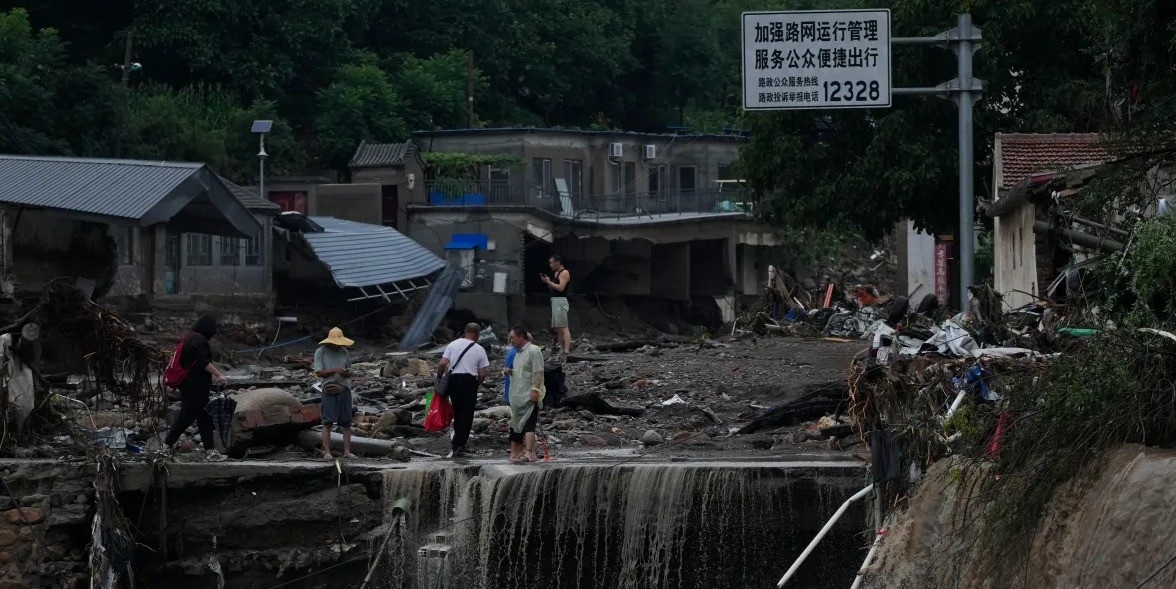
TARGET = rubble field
x,y
691,398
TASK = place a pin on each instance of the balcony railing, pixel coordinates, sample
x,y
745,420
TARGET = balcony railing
x,y
595,206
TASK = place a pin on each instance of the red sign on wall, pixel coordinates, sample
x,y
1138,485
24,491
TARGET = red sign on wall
x,y
942,288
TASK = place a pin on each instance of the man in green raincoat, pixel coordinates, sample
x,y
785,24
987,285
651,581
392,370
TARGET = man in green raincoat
x,y
526,396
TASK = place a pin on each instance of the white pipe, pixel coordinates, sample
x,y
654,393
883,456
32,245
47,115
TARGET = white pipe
x,y
821,534
955,405
857,581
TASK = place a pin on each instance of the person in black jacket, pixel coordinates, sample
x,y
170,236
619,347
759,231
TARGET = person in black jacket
x,y
195,389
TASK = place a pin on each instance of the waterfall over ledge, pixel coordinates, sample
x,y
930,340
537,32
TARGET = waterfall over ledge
x,y
643,526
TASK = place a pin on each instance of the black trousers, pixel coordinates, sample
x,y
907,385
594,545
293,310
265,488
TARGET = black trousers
x,y
463,395
192,408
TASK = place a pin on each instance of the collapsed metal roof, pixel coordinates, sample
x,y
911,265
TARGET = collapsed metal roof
x,y
379,261
187,196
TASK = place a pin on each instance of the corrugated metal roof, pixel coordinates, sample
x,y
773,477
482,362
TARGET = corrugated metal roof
x,y
249,198
360,254
381,155
125,189
436,305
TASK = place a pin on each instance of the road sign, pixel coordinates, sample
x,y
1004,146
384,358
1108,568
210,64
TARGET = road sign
x,y
816,59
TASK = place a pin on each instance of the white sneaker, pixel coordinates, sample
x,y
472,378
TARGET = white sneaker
x,y
215,456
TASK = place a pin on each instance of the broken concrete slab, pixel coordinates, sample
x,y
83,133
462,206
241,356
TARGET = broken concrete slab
x,y
597,404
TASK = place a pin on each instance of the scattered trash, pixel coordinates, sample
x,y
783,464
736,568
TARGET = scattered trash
x,y
675,400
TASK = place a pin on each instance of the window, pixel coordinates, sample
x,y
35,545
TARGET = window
x,y
255,249
199,249
727,172
541,174
574,176
230,251
630,178
657,180
124,238
687,178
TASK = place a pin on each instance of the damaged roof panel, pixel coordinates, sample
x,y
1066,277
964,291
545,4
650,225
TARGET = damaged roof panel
x,y
359,254
381,155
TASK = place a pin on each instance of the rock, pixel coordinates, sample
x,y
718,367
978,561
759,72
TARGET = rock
x,y
33,500
5,557
651,438
563,424
587,415
69,515
8,537
594,441
416,367
826,422
481,424
81,499
639,384
21,515
614,385
130,424
498,412
725,397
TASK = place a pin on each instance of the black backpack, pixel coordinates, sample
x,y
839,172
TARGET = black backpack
x,y
554,380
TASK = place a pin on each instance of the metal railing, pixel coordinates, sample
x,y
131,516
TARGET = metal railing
x,y
595,206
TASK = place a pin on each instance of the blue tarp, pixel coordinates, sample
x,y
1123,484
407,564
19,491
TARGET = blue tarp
x,y
468,241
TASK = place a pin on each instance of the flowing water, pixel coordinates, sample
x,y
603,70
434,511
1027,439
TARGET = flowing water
x,y
630,527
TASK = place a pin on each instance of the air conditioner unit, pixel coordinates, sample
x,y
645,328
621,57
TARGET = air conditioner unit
x,y
649,152
616,150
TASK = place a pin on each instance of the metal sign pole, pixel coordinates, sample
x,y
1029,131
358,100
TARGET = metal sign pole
x,y
964,91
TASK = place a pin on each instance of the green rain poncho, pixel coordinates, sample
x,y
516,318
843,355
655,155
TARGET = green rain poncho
x,y
528,374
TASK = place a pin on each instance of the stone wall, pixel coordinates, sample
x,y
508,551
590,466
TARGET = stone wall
x,y
45,525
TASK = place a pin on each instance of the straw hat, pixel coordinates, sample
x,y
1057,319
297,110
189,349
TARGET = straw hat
x,y
335,336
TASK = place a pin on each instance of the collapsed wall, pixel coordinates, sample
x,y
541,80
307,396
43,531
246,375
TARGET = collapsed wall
x,y
1111,529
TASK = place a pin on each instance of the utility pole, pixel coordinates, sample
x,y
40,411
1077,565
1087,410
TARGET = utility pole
x,y
126,82
126,67
470,89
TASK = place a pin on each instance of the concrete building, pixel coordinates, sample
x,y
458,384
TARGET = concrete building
x,y
632,215
385,177
140,233
1024,260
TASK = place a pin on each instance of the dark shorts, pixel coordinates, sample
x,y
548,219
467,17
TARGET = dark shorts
x,y
528,428
337,409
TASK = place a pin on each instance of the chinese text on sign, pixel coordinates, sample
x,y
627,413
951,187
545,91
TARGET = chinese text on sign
x,y
816,59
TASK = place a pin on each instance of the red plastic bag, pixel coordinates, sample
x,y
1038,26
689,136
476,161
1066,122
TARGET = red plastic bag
x,y
440,414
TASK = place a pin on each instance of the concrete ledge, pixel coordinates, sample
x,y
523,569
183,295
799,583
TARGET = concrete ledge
x,y
138,476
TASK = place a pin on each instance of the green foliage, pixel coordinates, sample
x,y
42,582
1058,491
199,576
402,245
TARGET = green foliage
x,y
1152,263
208,125
434,89
48,106
360,104
1114,389
466,166
985,257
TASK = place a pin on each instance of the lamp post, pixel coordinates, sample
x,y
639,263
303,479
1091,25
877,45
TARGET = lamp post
x,y
261,128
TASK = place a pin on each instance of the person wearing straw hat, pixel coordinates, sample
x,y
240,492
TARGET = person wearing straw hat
x,y
332,363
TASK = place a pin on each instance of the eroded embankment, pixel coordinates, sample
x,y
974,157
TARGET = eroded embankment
x,y
1110,529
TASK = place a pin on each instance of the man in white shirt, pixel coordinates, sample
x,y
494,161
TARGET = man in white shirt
x,y
467,362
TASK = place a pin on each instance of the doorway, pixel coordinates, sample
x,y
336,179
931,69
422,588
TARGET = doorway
x,y
389,206
171,265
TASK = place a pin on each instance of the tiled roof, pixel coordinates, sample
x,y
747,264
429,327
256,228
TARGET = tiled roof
x,y
381,155
1025,154
249,198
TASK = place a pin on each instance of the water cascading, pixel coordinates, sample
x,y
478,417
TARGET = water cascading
x,y
630,527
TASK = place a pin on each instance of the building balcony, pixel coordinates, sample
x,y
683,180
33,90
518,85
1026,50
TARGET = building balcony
x,y
593,206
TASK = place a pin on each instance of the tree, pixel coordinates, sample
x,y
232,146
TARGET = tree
x,y
48,106
202,124
434,89
360,104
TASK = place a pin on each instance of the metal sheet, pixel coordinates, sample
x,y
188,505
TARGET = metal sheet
x,y
436,305
359,254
